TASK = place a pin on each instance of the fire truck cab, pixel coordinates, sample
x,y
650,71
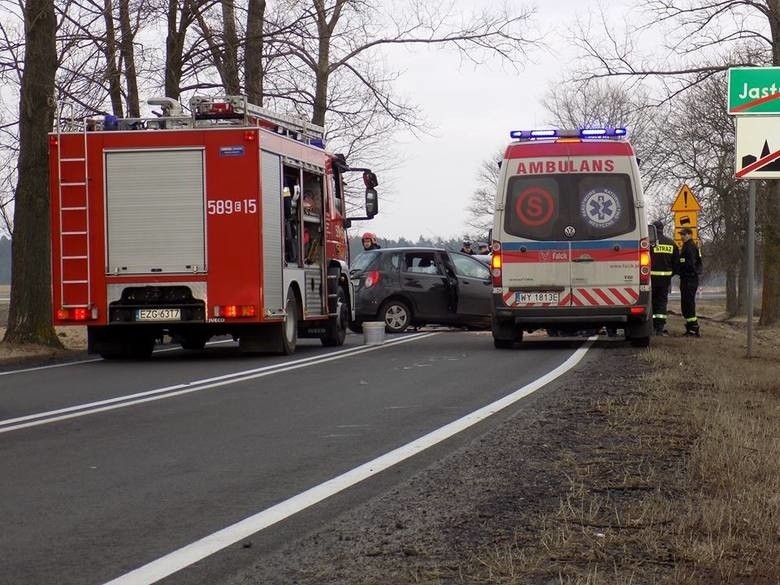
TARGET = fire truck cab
x,y
570,238
229,220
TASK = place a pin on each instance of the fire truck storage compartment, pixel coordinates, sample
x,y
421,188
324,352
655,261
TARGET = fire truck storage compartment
x,y
155,211
272,232
314,291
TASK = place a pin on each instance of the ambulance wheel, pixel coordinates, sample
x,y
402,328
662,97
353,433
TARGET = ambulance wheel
x,y
290,325
396,316
506,334
336,329
639,333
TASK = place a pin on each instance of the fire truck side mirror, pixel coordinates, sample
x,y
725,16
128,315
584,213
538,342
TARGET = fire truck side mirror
x,y
372,203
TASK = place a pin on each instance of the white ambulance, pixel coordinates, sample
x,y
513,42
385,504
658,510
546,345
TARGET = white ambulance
x,y
570,239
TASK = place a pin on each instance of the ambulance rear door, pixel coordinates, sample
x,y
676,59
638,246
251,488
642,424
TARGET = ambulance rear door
x,y
604,237
536,254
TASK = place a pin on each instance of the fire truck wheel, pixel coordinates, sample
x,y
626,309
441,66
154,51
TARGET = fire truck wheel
x,y
290,325
193,342
396,315
128,347
336,329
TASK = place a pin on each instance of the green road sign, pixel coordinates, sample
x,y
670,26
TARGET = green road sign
x,y
754,90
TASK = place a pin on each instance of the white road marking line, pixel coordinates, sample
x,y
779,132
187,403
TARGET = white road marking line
x,y
79,410
36,368
200,549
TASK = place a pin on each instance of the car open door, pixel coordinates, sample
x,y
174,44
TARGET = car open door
x,y
424,281
474,286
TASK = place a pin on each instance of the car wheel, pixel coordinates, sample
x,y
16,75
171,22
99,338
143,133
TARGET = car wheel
x,y
396,315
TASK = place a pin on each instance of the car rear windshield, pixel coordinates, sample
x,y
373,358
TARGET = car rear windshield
x,y
363,261
595,206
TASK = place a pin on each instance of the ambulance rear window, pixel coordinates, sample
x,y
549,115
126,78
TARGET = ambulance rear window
x,y
596,206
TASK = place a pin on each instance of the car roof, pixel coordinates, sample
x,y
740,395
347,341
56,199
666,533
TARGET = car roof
x,y
410,249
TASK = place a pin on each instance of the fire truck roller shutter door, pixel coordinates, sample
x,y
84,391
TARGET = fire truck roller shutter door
x,y
272,232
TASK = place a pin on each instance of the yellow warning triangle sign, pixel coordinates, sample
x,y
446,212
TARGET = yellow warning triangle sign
x,y
685,200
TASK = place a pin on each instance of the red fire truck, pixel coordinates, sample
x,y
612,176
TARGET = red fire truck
x,y
229,220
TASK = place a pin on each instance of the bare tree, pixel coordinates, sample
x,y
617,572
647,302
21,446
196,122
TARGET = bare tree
x,y
127,52
481,208
343,36
29,318
599,103
702,38
699,150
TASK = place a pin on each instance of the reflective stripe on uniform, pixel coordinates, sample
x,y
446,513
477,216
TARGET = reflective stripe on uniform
x,y
659,317
661,273
691,320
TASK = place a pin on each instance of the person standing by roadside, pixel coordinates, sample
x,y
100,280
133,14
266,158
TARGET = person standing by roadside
x,y
664,259
466,249
369,241
690,268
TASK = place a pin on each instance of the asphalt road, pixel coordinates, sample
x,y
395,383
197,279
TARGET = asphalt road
x,y
106,467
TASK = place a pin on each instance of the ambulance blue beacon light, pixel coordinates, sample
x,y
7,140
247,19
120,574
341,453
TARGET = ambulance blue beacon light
x,y
581,133
530,134
602,132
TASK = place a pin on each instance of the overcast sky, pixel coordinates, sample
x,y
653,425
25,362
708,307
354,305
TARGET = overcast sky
x,y
472,112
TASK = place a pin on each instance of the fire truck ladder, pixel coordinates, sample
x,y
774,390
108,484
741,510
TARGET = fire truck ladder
x,y
205,107
73,214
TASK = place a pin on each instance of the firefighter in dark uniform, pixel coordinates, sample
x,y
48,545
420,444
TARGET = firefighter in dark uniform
x,y
664,259
690,268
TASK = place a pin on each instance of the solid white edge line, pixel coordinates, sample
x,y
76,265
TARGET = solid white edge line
x,y
190,387
49,367
200,549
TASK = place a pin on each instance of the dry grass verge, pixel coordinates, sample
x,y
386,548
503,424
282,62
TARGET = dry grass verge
x,y
675,481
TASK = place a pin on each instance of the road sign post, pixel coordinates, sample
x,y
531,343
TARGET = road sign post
x,y
755,90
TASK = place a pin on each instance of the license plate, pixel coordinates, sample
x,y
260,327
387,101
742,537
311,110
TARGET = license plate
x,y
536,297
158,315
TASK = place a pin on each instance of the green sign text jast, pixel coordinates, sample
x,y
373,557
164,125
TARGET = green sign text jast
x,y
754,90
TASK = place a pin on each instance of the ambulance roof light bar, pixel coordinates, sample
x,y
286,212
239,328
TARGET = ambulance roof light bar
x,y
525,135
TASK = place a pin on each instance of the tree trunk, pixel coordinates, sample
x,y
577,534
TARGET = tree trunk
x,y
325,30
771,228
110,52
174,48
770,298
127,50
253,52
29,317
732,300
230,52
